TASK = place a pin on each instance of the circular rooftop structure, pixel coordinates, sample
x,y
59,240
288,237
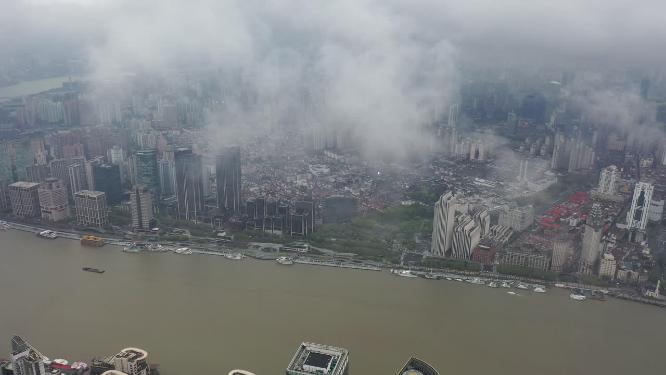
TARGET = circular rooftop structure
x,y
240,372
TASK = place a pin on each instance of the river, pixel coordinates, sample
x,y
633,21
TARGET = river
x,y
33,87
202,314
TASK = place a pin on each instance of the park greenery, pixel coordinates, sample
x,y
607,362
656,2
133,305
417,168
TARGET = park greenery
x,y
372,236
454,264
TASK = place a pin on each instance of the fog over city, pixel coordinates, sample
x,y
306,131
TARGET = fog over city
x,y
376,67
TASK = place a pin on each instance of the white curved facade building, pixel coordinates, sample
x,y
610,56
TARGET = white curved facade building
x,y
132,361
443,223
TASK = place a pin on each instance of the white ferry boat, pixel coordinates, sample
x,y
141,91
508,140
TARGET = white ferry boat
x,y
512,293
183,251
539,290
475,280
521,286
577,297
284,261
493,284
234,256
49,234
506,285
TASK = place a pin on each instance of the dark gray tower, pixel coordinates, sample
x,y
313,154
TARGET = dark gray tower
x,y
189,184
228,172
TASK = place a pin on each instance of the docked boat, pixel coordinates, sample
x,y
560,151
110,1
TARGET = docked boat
x,y
48,234
449,279
461,280
93,270
577,297
475,280
234,256
183,251
522,286
512,293
493,284
506,285
284,261
92,241
560,285
403,273
431,276
3,225
539,290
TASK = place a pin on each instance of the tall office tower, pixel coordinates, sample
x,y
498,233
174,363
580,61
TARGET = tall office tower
x,y
591,240
581,155
26,360
443,222
59,170
608,181
107,179
228,172
77,178
637,217
91,209
24,199
53,200
132,361
147,173
167,171
560,152
37,173
189,184
466,235
141,204
562,251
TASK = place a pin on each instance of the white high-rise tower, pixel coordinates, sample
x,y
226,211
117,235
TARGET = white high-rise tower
x,y
637,217
443,222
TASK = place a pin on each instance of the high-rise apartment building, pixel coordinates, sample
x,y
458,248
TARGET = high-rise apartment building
x,y
24,199
53,200
189,184
443,224
37,173
637,217
141,204
228,173
167,172
608,180
562,252
91,208
591,240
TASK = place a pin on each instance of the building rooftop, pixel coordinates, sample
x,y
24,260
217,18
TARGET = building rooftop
x,y
313,358
89,193
24,184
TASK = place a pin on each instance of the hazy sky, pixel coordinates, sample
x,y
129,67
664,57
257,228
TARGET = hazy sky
x,y
376,64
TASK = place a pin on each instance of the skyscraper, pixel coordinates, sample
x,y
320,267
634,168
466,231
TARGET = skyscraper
x,y
591,240
147,173
141,204
443,222
106,178
189,184
53,200
637,217
228,172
